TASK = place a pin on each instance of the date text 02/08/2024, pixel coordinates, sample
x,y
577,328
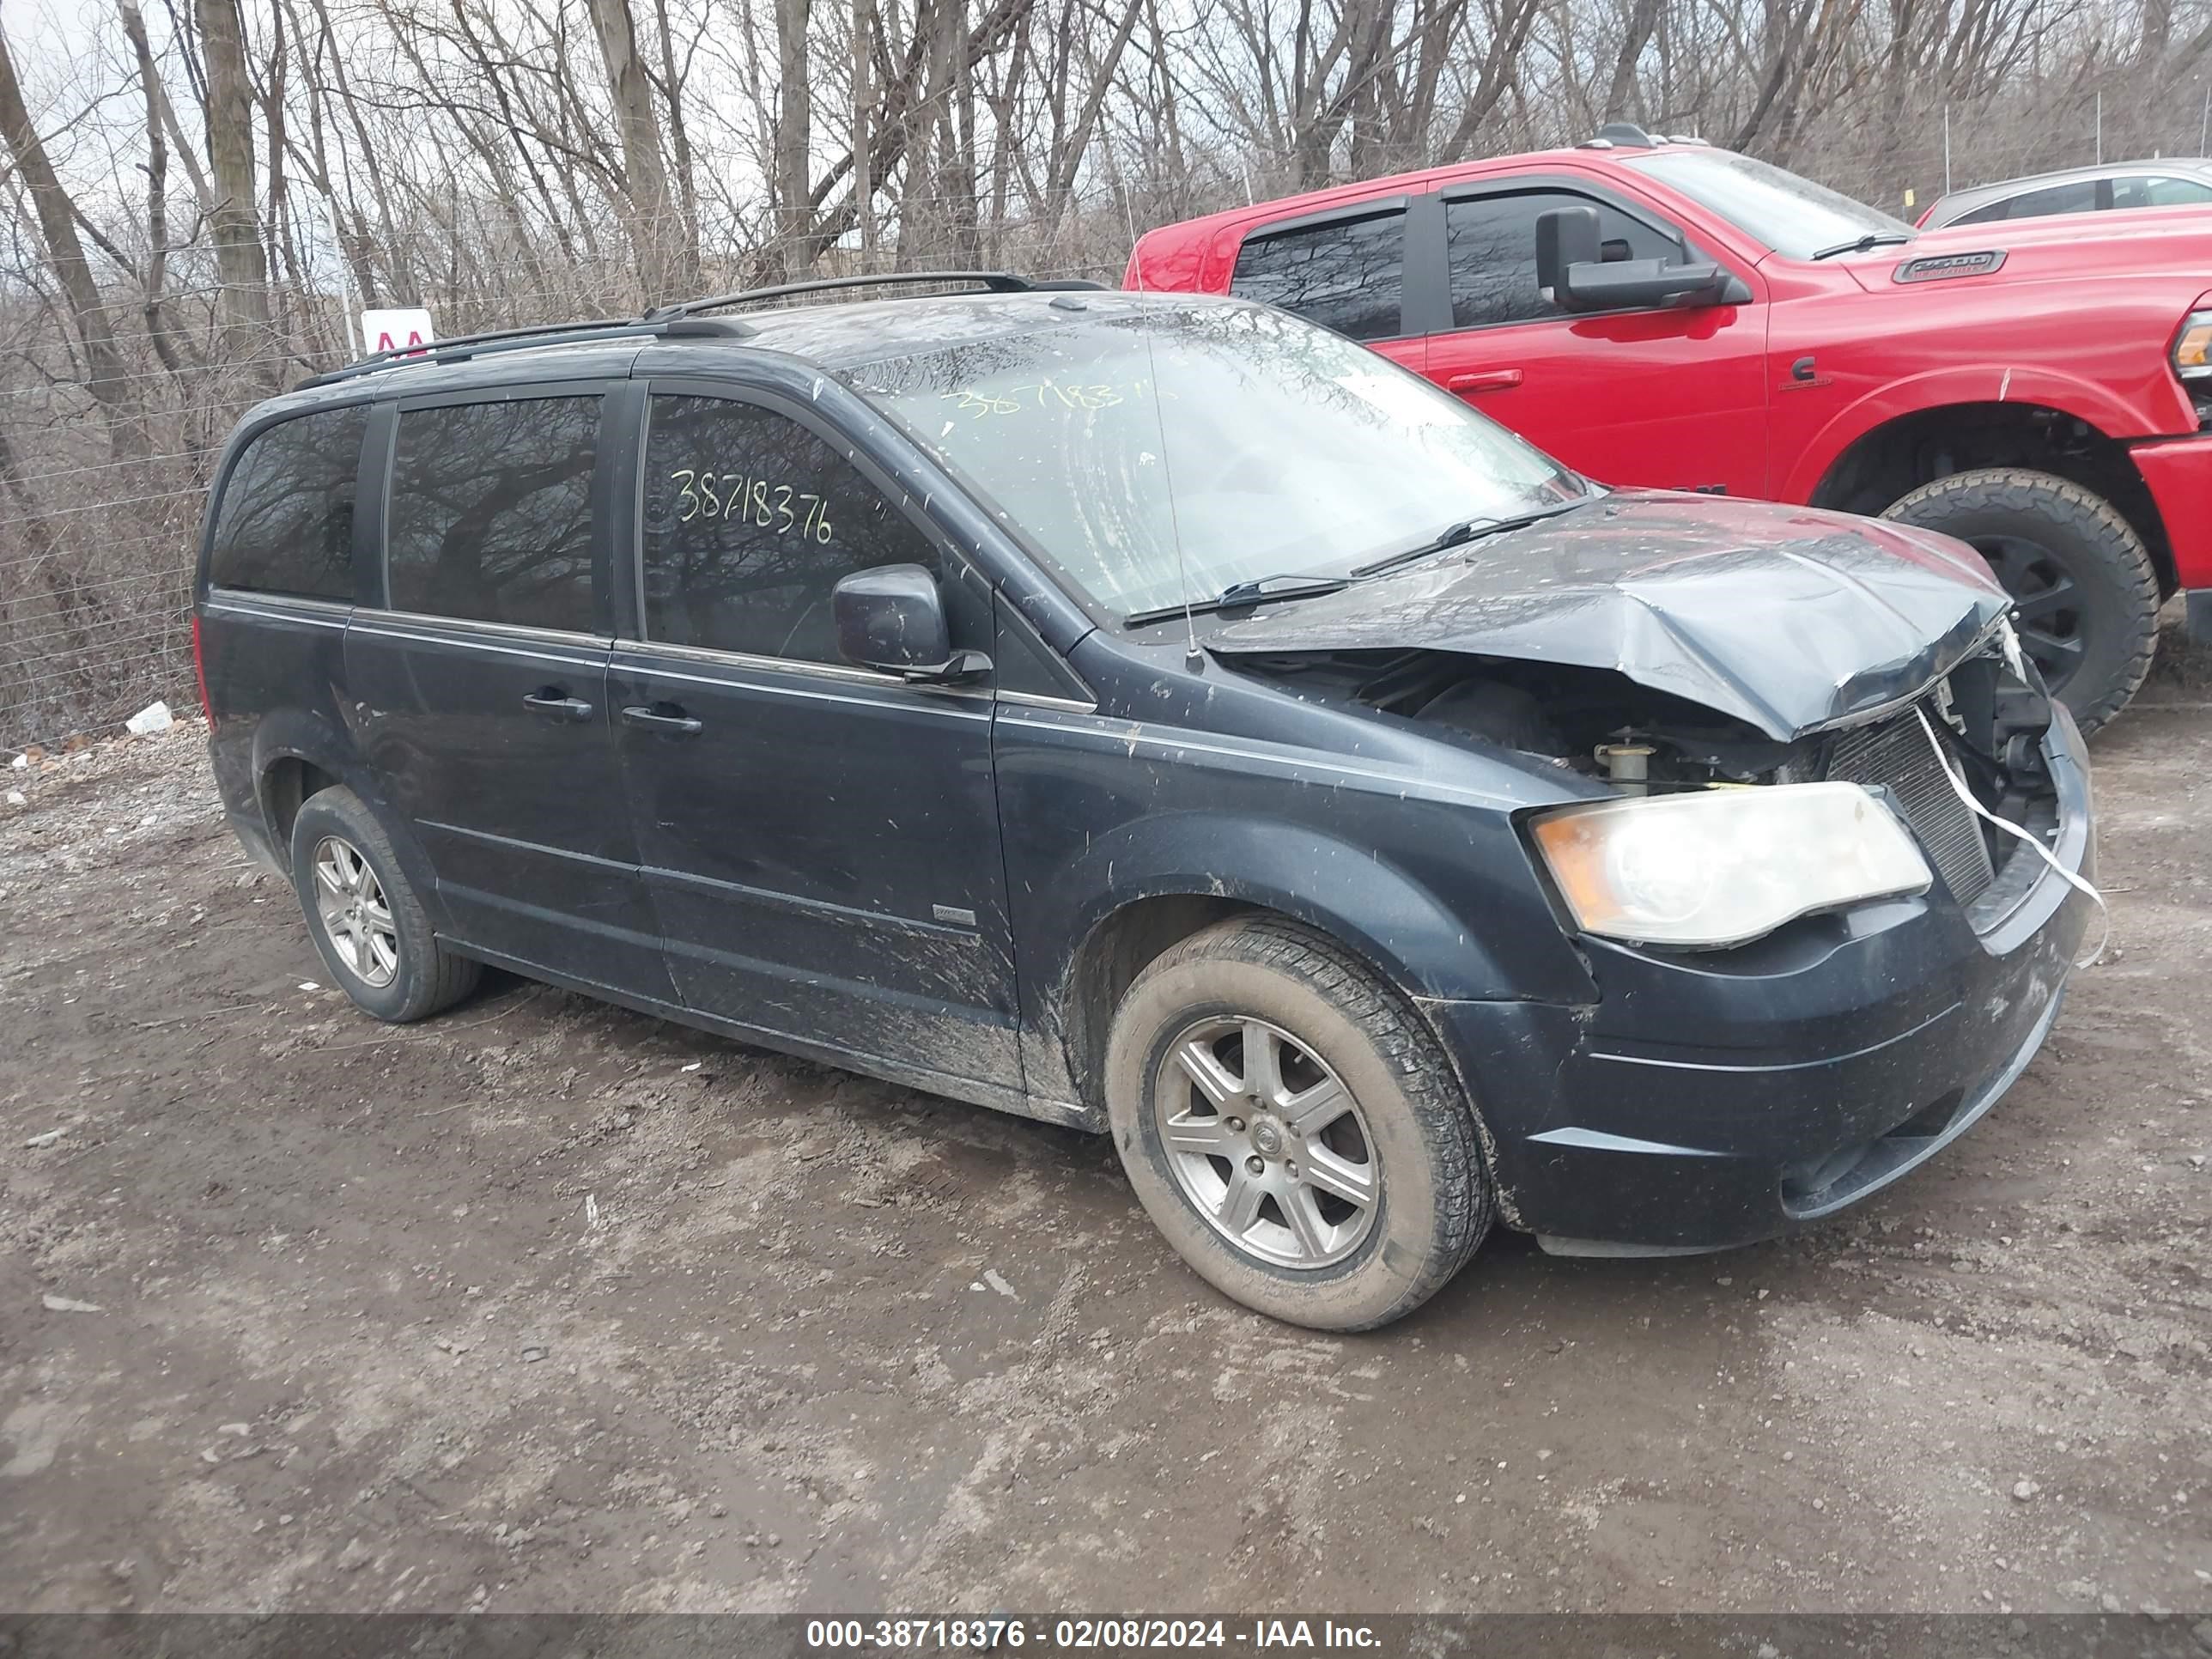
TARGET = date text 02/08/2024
x,y
1075,1634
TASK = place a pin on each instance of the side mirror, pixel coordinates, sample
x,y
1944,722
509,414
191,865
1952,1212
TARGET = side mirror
x,y
892,619
1576,273
1565,237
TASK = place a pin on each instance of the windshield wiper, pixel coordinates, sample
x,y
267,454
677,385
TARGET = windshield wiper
x,y
1266,590
1867,243
1238,596
1458,535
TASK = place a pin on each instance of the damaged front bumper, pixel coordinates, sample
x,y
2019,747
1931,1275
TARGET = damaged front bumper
x,y
1820,1064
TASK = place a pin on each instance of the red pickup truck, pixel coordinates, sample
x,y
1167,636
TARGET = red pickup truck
x,y
1658,312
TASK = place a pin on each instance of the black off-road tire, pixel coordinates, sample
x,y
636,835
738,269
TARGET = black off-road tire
x,y
1434,1203
2027,524
426,978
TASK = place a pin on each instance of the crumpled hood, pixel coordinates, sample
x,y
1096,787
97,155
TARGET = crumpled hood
x,y
1787,618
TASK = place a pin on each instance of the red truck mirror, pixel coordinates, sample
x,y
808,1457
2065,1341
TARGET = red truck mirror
x,y
1575,274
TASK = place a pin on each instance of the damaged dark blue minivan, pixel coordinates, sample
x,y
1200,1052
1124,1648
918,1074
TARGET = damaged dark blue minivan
x,y
1160,715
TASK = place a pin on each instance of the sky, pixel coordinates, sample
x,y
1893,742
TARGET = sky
x,y
48,31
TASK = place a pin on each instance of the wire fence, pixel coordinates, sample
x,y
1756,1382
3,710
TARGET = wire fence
x,y
101,487
97,549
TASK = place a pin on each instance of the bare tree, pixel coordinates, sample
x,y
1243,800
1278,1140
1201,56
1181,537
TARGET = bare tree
x,y
105,374
233,219
794,134
656,239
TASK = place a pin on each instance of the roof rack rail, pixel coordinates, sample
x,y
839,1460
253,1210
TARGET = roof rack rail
x,y
670,321
997,282
462,347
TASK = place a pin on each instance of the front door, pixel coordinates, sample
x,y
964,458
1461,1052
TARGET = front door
x,y
1675,398
479,687
821,841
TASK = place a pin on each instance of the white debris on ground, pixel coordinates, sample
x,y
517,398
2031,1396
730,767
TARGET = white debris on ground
x,y
154,717
80,804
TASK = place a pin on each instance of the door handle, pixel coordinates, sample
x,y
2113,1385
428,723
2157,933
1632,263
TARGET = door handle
x,y
555,704
1484,379
675,721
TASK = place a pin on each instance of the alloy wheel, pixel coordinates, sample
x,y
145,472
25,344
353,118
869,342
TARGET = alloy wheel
x,y
2053,616
356,916
1267,1143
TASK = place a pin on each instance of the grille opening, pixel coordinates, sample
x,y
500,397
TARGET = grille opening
x,y
1893,754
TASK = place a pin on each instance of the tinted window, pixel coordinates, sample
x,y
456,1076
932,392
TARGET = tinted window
x,y
491,512
750,520
1491,243
1983,215
2080,197
2159,192
286,523
1348,275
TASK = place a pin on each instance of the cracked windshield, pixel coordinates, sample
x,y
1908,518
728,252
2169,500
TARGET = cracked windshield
x,y
1258,444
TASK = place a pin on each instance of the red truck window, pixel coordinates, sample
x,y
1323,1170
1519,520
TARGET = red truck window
x,y
1348,273
1491,243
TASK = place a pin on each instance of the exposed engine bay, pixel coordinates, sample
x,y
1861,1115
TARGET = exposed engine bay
x,y
1986,713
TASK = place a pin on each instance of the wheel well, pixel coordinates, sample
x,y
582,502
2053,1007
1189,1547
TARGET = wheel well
x,y
1898,456
287,783
1125,943
1107,962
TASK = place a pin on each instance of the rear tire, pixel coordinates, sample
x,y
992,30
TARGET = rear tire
x,y
2083,585
1257,1174
364,916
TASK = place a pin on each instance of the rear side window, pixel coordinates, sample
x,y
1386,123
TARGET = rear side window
x,y
1348,276
2080,197
1490,242
1983,215
750,520
285,525
2159,192
490,517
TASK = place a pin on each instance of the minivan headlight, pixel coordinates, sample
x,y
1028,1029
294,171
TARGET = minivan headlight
x,y
1722,866
2193,347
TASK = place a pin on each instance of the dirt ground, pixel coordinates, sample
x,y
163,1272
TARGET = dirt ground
x,y
544,1306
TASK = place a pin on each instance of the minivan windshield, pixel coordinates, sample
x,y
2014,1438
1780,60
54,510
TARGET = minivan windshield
x,y
1794,217
1155,453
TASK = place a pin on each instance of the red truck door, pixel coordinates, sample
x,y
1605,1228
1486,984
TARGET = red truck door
x,y
1675,398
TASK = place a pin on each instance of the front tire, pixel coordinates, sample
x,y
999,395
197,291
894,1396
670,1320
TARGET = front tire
x,y
2083,585
1293,1128
363,915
